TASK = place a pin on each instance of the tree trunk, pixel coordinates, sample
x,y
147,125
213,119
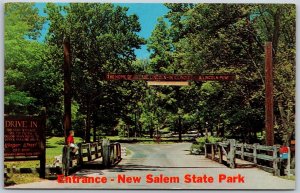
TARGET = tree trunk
x,y
88,123
151,130
276,31
179,129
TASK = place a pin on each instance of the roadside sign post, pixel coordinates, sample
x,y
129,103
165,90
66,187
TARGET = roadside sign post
x,y
24,139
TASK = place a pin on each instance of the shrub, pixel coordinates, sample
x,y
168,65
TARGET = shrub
x,y
198,146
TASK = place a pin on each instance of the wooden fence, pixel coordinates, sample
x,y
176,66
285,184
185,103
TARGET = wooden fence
x,y
88,152
249,152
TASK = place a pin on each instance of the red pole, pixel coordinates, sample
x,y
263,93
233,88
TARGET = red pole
x,y
67,87
269,95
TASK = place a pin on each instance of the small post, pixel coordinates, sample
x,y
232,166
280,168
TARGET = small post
x,y
288,167
42,156
275,161
220,154
242,151
89,152
106,152
80,153
212,151
255,153
232,153
96,150
205,150
66,160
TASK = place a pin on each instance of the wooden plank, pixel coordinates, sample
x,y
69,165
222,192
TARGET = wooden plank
x,y
224,151
85,146
224,144
238,145
265,168
248,146
264,157
264,147
247,154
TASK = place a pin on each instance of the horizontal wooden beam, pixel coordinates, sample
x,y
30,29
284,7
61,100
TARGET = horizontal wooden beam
x,y
168,83
171,77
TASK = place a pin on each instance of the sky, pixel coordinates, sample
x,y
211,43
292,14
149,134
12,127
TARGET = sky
x,y
148,14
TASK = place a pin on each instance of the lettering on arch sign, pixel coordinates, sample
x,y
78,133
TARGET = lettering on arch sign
x,y
171,77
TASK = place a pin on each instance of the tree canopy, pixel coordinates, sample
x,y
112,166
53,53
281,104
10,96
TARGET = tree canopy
x,y
190,38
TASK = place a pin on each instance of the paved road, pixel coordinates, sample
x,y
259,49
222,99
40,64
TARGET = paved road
x,y
171,161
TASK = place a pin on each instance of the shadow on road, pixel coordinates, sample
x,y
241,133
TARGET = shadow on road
x,y
134,167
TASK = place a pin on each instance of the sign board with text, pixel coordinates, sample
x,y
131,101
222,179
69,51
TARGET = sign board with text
x,y
24,139
171,77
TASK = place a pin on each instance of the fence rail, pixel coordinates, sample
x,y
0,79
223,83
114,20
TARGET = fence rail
x,y
249,152
87,152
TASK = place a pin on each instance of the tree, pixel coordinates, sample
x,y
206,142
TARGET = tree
x,y
103,38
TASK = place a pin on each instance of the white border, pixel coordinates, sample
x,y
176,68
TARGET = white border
x,y
140,1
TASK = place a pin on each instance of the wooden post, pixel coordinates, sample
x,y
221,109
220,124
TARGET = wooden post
x,y
255,153
66,160
220,154
232,153
89,152
275,161
96,150
67,87
212,152
242,151
205,150
269,112
80,153
105,152
288,167
43,146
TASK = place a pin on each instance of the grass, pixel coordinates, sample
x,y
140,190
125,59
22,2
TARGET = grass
x,y
22,179
289,177
54,147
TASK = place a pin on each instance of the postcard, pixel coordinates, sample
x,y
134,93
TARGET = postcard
x,y
149,96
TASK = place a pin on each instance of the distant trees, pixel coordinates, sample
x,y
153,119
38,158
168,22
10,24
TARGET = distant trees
x,y
221,38
190,38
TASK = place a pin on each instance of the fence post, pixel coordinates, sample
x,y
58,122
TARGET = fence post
x,y
80,153
66,160
205,150
255,153
105,152
89,152
232,153
275,160
242,151
288,167
212,152
220,154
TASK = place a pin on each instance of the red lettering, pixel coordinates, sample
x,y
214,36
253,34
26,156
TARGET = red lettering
x,y
60,178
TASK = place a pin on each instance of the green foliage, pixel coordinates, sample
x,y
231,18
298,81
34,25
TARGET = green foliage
x,y
230,38
190,38
200,143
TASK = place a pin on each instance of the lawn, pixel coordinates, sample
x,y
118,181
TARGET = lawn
x,y
54,147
